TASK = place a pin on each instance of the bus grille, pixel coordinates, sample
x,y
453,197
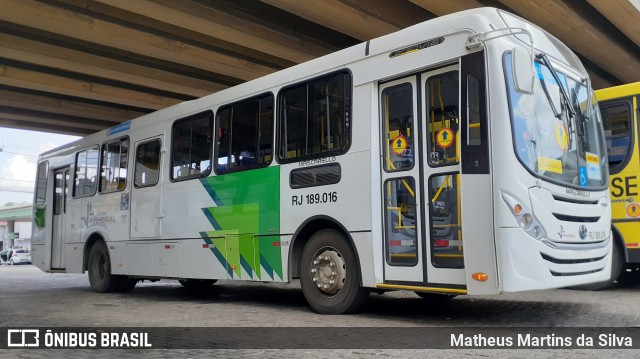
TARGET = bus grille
x,y
556,274
567,218
570,261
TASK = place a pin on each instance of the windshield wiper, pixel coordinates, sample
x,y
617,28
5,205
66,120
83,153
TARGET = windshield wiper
x,y
565,97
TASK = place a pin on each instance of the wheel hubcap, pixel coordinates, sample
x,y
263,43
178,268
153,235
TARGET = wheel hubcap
x,y
328,271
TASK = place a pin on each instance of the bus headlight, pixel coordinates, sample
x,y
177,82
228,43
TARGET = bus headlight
x,y
524,217
526,220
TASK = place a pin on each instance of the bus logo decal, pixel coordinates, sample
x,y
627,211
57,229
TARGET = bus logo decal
x,y
582,232
633,210
417,47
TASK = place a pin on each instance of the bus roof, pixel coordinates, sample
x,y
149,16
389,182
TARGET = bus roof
x,y
618,91
471,21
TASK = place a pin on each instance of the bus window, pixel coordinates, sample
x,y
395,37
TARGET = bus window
x,y
446,232
474,135
147,164
113,176
400,236
41,184
397,110
86,175
191,147
616,118
442,94
315,118
244,131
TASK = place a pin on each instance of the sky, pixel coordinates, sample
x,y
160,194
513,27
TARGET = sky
x,y
19,150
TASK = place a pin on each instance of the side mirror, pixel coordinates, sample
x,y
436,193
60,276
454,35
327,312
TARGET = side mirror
x,y
523,73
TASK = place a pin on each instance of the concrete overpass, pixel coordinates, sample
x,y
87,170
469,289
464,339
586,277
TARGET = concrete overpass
x,y
79,66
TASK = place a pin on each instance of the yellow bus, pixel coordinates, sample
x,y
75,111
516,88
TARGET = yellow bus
x,y
619,107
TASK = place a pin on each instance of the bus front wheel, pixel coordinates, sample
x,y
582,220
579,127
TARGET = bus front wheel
x,y
329,276
617,264
100,276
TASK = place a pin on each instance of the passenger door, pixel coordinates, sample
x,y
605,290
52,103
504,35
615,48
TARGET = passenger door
x,y
59,234
402,217
435,158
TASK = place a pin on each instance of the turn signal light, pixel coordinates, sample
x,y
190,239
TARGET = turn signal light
x,y
480,277
517,209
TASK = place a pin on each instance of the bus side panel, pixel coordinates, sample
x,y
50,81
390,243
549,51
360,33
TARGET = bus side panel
x,y
624,184
244,224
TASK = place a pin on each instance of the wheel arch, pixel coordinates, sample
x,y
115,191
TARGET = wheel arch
x,y
89,243
618,239
305,231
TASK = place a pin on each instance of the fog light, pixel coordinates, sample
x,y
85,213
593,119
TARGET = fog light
x,y
526,221
536,231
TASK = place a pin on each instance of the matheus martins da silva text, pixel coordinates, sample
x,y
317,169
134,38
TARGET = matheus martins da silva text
x,y
550,340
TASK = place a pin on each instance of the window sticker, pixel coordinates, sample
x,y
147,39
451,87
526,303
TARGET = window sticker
x,y
562,139
583,176
445,137
633,210
593,166
549,165
399,144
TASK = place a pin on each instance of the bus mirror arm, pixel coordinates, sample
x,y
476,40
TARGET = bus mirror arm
x,y
523,72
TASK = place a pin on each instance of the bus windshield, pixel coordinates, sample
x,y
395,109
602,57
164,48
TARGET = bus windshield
x,y
558,137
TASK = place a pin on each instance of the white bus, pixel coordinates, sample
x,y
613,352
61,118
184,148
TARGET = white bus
x,y
462,155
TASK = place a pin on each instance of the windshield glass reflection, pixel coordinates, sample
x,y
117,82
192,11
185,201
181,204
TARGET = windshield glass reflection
x,y
558,137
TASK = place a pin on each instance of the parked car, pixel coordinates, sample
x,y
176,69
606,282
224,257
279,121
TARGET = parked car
x,y
15,256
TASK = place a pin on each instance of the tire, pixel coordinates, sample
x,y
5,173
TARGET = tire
x,y
617,263
433,297
197,285
100,276
329,261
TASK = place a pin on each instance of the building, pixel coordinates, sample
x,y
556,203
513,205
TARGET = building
x,y
15,226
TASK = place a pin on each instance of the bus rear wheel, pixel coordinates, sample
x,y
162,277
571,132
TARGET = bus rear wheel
x,y
329,274
100,276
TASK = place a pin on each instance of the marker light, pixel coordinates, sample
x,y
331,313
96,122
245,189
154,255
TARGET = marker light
x,y
517,208
480,277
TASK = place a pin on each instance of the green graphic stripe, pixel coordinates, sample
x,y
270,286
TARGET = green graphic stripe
x,y
216,252
247,205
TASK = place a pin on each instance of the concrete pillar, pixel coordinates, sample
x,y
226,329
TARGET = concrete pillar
x,y
11,227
